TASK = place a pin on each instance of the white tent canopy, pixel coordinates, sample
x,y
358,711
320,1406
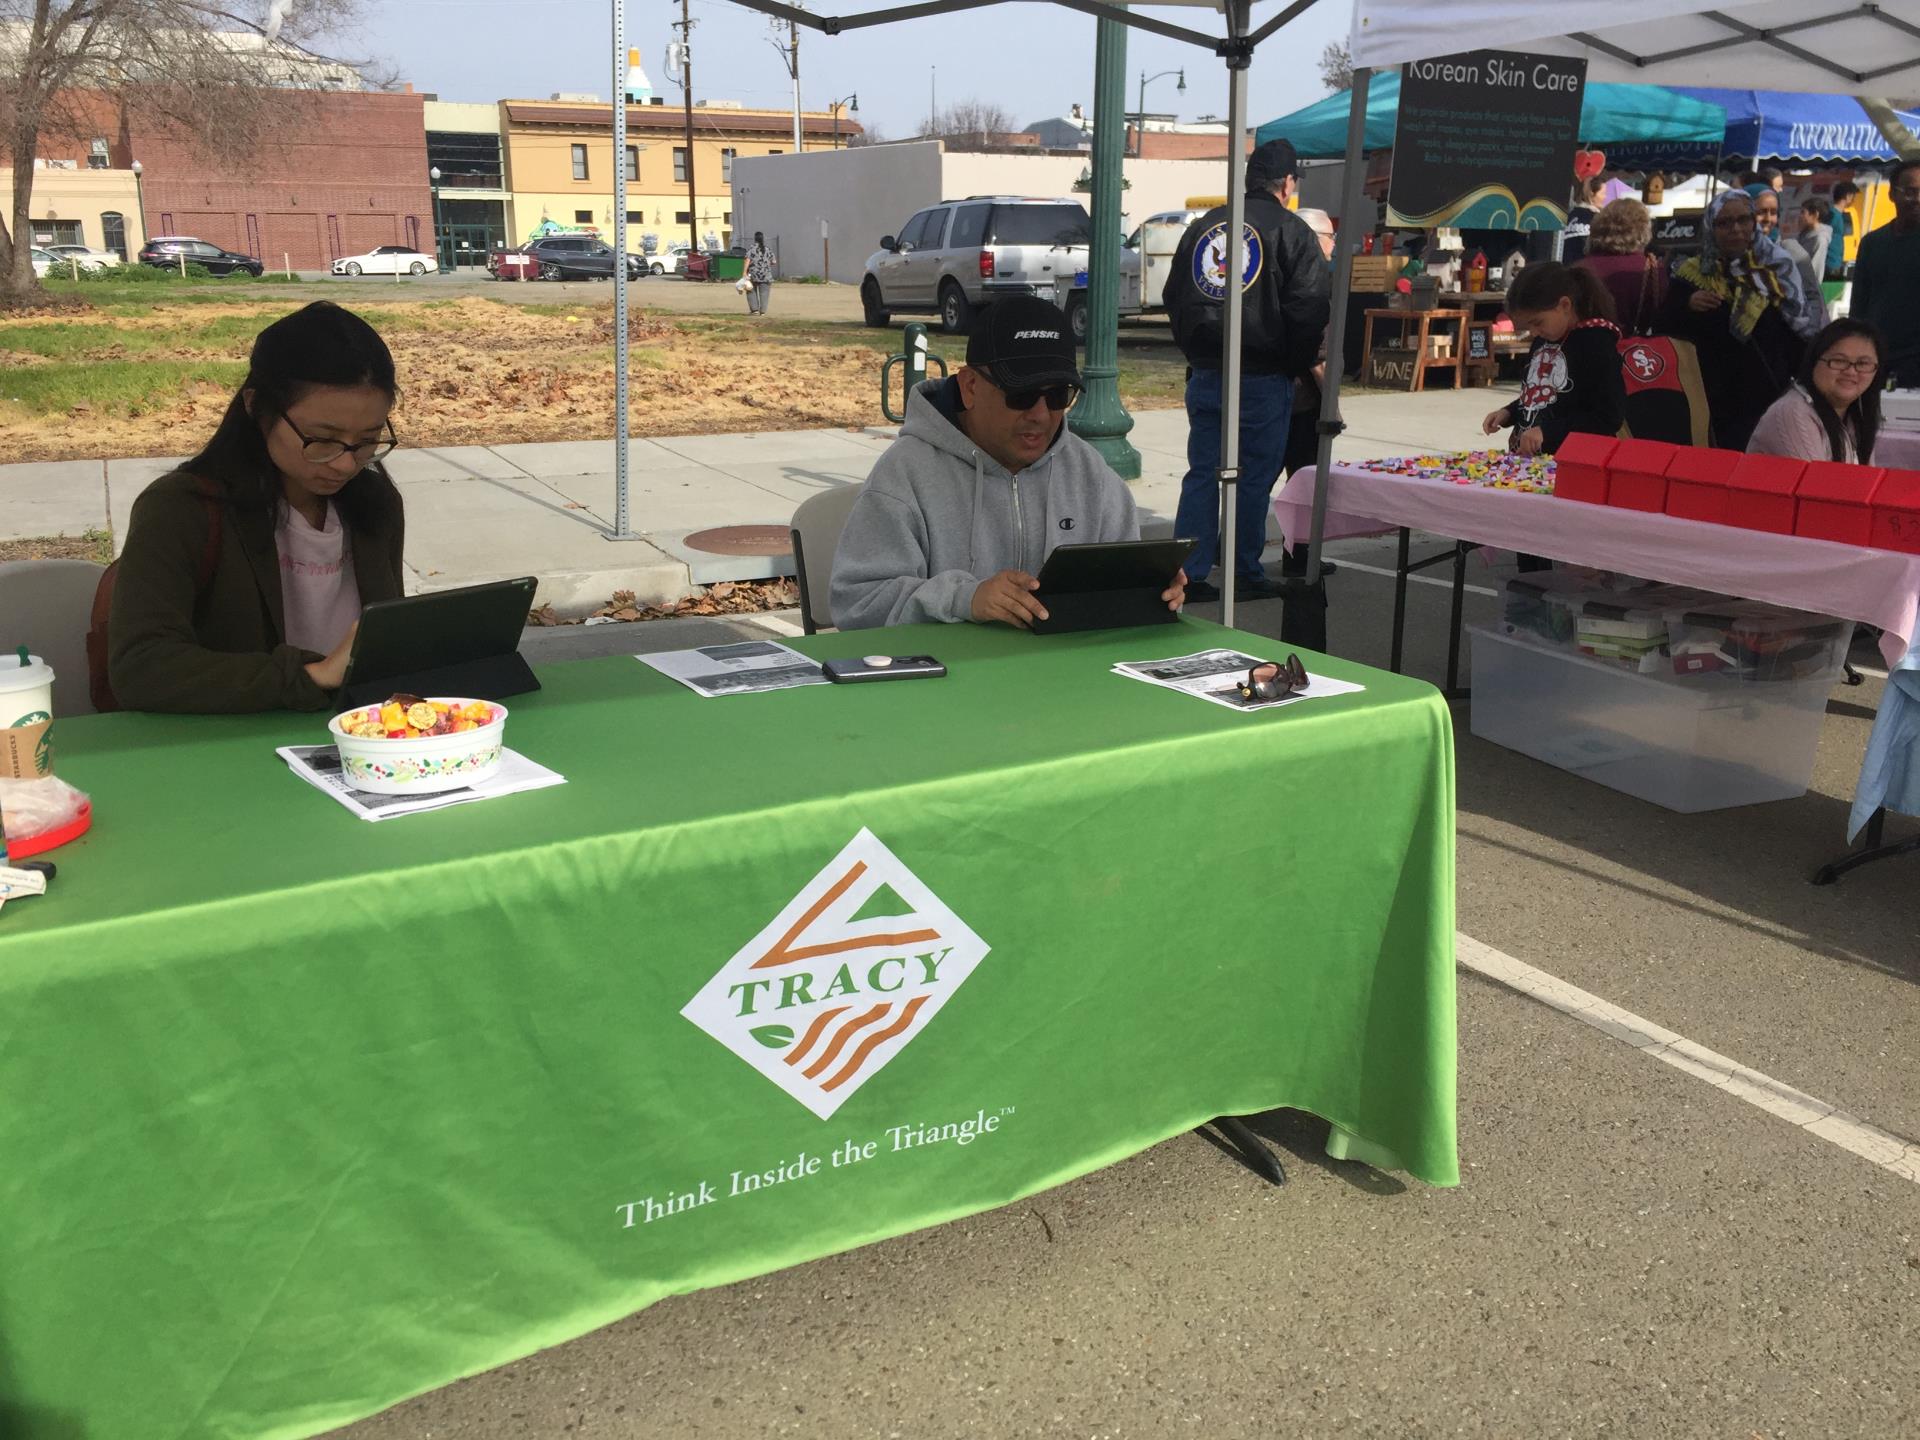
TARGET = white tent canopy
x,y
1829,46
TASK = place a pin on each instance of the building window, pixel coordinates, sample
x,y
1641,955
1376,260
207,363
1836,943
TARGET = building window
x,y
113,232
680,164
56,232
776,152
579,162
683,217
97,155
726,166
727,219
636,217
466,161
633,162
583,217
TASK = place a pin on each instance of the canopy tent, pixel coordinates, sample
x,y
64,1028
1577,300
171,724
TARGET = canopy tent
x,y
1611,115
1771,125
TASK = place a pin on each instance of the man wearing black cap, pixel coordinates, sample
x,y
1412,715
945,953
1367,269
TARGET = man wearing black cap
x,y
1286,299
960,513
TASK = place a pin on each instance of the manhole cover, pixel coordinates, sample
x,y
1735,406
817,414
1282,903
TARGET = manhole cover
x,y
742,540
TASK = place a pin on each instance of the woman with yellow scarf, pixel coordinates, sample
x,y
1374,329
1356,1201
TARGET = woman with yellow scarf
x,y
1744,306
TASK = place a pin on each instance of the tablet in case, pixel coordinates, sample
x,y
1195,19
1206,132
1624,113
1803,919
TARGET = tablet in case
x,y
1107,586
464,642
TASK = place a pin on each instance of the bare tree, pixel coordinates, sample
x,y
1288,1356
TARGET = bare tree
x,y
78,67
1336,67
868,134
972,118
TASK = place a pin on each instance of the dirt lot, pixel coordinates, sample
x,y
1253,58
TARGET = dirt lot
x,y
137,376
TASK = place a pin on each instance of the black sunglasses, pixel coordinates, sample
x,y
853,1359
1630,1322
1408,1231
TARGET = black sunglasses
x,y
1058,397
1273,681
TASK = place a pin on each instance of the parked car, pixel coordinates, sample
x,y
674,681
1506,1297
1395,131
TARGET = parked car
x,y
387,260
89,259
1146,259
44,261
671,261
577,257
954,257
165,252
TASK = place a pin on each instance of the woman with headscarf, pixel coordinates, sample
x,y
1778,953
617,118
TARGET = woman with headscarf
x,y
1743,305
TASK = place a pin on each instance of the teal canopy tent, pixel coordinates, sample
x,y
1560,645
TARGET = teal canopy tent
x,y
1609,115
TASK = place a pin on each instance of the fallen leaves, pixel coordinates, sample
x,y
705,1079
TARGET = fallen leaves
x,y
728,597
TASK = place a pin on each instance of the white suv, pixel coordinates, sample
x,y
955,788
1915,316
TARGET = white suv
x,y
954,257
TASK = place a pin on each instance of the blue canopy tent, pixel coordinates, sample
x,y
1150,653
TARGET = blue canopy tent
x,y
1610,115
1772,125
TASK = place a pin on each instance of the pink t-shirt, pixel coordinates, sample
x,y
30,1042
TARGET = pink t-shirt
x,y
317,589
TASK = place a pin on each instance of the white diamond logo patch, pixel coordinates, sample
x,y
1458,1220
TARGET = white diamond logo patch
x,y
842,979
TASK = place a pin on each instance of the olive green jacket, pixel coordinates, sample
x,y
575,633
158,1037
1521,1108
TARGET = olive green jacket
x,y
184,641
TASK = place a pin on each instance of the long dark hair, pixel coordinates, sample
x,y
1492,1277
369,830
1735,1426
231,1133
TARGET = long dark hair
x,y
1545,285
1865,411
321,344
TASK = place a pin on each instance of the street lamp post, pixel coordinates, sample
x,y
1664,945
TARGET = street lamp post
x,y
1100,419
140,203
852,102
439,244
1140,123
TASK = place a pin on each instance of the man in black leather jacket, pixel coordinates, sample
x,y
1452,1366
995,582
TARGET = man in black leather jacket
x,y
1286,297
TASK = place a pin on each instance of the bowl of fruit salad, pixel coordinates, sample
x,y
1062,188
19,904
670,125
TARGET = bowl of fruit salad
x,y
419,745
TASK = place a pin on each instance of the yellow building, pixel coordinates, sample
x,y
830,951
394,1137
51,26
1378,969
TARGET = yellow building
x,y
559,164
73,204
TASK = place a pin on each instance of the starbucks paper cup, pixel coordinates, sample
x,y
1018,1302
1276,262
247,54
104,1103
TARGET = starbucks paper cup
x,y
26,717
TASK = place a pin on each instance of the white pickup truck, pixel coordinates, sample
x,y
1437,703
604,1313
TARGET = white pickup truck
x,y
1145,263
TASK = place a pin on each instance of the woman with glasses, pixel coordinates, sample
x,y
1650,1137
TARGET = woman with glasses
x,y
1832,412
1743,305
245,570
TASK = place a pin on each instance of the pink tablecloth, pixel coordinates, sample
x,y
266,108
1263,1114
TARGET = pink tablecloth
x,y
1876,587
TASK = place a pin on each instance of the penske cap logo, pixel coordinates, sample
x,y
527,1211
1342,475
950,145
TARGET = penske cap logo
x,y
841,980
1036,334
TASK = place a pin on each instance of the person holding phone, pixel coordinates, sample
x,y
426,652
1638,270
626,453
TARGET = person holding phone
x,y
963,509
245,570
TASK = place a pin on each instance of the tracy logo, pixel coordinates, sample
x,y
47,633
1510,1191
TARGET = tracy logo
x,y
1210,260
842,979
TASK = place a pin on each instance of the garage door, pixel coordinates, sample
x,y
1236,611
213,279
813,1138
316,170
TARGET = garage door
x,y
292,235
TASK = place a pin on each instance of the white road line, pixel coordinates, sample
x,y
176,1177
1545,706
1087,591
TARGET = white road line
x,y
1849,1132
1346,564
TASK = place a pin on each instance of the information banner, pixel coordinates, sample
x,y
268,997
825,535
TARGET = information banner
x,y
1485,141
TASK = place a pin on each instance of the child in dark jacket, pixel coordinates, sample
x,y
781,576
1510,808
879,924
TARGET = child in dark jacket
x,y
1573,383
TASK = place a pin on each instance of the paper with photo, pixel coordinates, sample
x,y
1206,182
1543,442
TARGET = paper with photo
x,y
751,667
319,766
1213,675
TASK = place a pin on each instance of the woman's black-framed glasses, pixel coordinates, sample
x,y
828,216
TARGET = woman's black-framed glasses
x,y
1839,364
1274,681
321,452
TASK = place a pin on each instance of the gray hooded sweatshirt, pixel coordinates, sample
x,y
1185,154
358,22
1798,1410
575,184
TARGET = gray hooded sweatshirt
x,y
939,515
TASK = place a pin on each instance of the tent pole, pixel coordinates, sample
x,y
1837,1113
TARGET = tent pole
x,y
1236,257
622,515
1353,197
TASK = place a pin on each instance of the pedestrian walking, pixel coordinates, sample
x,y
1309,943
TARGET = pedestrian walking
x,y
759,275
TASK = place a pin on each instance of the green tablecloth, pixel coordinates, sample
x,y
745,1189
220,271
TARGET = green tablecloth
x,y
303,1115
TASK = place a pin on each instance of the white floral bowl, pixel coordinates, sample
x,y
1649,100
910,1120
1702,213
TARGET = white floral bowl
x,y
419,767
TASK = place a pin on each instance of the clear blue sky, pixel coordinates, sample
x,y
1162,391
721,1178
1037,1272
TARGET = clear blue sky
x,y
1035,60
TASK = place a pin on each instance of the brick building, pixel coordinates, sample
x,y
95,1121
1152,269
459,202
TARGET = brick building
x,y
337,174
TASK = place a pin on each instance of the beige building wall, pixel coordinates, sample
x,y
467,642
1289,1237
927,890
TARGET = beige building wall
x,y
85,195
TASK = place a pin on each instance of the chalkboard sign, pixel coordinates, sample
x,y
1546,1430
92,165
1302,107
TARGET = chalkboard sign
x,y
1678,232
1479,343
1485,140
1391,367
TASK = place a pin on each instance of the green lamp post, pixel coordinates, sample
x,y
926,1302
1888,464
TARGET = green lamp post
x,y
1100,419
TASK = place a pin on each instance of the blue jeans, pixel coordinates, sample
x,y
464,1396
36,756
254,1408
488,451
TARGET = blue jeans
x,y
1266,406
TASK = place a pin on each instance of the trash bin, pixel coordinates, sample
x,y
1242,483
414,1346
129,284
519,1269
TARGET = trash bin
x,y
729,264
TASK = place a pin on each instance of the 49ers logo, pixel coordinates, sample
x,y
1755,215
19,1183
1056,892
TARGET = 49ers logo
x,y
1644,363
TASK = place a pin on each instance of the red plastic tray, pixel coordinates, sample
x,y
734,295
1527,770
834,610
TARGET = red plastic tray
x,y
50,839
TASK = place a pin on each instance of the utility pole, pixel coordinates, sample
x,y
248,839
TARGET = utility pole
x,y
686,93
793,64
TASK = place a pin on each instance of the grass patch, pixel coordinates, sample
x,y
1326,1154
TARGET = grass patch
x,y
89,544
533,308
117,387
72,340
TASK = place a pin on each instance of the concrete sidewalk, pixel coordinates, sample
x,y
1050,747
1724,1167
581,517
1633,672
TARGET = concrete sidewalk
x,y
479,512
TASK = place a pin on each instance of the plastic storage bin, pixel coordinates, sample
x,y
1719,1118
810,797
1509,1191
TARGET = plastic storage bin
x,y
1687,744
1580,467
1637,475
1697,484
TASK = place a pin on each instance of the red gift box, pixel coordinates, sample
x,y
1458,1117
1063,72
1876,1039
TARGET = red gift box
x,y
1836,502
1580,467
1637,474
1697,484
1896,512
1761,493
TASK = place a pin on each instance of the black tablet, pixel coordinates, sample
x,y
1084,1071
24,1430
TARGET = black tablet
x,y
463,642
1108,585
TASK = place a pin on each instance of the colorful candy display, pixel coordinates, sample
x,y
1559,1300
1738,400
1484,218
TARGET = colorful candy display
x,y
1491,469
408,717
